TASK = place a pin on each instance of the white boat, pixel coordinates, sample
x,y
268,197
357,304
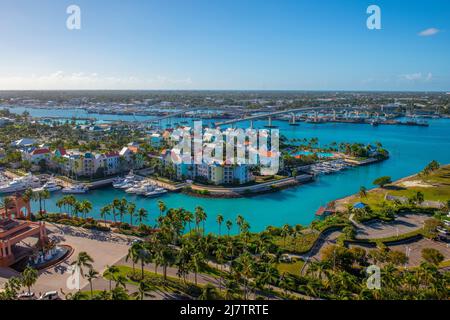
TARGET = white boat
x,y
20,184
127,185
118,182
76,189
156,193
51,186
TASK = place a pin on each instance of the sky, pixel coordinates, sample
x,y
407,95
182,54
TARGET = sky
x,y
225,45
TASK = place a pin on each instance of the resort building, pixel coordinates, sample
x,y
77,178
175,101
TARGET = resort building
x,y
214,173
14,230
36,155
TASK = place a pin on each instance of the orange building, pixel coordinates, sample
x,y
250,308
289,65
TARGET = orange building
x,y
13,230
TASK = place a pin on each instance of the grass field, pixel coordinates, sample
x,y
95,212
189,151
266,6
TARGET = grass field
x,y
434,186
292,268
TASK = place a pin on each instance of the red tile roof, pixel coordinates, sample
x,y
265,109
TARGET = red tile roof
x,y
40,151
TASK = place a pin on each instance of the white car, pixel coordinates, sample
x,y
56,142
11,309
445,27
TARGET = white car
x,y
26,296
51,295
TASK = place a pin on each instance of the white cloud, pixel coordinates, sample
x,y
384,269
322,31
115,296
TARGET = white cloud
x,y
418,76
91,81
429,32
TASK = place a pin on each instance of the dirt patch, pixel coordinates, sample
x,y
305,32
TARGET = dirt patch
x,y
416,184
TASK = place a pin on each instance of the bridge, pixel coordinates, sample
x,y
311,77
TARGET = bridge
x,y
277,113
172,115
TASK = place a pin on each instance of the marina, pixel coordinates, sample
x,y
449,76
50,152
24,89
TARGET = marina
x,y
404,160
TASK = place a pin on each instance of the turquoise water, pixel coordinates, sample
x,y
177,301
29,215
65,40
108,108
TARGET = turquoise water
x,y
411,148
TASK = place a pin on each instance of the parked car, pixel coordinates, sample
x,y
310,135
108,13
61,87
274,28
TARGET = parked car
x,y
26,296
51,295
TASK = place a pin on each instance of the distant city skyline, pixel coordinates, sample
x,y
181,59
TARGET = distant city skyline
x,y
225,45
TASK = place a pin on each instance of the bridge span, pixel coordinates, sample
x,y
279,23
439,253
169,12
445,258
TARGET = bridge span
x,y
277,113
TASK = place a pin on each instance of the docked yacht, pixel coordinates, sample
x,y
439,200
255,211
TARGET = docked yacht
x,y
76,189
50,186
20,184
156,193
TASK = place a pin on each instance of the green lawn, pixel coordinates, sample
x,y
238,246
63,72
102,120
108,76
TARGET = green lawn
x,y
157,282
292,268
438,189
299,244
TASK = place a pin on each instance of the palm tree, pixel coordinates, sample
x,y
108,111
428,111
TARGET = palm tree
x,y
90,276
6,203
85,207
220,257
142,215
131,210
60,203
120,280
142,255
162,207
104,212
122,208
285,232
229,225
115,205
45,195
29,277
83,260
188,217
240,221
219,222
143,290
133,253
197,263
110,273
200,216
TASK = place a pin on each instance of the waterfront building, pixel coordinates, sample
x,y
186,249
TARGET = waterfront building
x,y
36,155
112,165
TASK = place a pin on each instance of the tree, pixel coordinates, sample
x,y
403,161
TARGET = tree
x,y
83,260
142,215
229,225
29,277
90,276
219,222
363,192
350,232
208,292
382,181
162,207
104,212
143,290
85,207
432,256
110,273
5,203
430,227
200,216
432,166
397,257
131,210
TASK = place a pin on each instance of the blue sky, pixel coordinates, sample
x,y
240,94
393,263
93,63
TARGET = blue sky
x,y
225,44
